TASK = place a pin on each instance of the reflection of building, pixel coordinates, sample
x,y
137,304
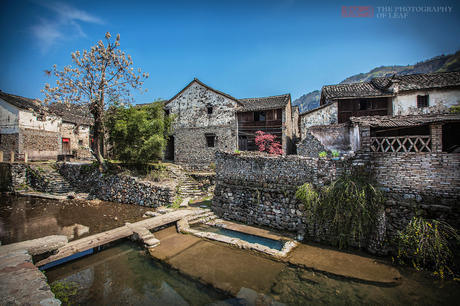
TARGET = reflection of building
x,y
207,120
26,126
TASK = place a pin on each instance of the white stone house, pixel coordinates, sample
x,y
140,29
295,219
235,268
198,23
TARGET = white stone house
x,y
408,105
43,133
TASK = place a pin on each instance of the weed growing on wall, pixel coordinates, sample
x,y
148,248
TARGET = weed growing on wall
x,y
347,210
63,291
428,244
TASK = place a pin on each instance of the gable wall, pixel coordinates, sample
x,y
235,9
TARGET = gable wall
x,y
192,122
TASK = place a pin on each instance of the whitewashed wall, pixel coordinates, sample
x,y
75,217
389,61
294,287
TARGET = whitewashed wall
x,y
9,123
439,101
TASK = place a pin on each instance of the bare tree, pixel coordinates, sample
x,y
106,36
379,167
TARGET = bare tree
x,y
102,71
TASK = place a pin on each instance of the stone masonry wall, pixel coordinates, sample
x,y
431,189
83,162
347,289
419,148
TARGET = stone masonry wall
x,y
192,121
260,189
191,146
9,142
322,116
427,183
39,144
116,188
13,176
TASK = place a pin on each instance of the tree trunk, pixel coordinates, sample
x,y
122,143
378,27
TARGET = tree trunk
x,y
97,111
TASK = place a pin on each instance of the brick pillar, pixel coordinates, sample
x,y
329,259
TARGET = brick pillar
x,y
436,137
12,157
365,138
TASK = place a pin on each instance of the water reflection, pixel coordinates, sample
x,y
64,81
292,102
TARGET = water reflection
x,y
23,218
125,275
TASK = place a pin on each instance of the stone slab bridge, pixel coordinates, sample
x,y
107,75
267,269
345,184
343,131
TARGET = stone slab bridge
x,y
21,282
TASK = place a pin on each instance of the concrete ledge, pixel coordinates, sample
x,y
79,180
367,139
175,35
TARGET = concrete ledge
x,y
183,227
36,246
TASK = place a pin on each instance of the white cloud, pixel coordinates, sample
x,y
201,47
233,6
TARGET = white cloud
x,y
64,24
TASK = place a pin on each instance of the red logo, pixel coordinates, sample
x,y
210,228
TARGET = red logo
x,y
357,11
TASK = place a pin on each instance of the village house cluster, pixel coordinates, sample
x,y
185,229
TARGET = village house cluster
x,y
404,113
31,131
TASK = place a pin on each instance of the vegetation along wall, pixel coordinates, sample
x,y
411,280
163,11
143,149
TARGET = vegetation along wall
x,y
260,189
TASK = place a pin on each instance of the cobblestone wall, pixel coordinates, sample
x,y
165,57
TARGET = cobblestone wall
x,y
39,144
116,188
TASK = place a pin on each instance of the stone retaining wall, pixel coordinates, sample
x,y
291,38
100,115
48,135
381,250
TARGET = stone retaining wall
x,y
260,189
116,187
13,176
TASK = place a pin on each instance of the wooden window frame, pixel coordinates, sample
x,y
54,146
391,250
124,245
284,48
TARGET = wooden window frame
x,y
423,101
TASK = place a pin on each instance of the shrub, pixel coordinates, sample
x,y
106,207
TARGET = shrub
x,y
427,244
322,154
267,143
335,153
347,209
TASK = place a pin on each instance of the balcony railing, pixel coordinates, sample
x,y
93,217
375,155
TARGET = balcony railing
x,y
415,143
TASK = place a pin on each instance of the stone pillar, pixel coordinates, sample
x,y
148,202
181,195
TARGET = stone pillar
x,y
1,156
26,157
436,138
12,157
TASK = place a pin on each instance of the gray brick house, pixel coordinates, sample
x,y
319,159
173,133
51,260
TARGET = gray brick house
x,y
208,120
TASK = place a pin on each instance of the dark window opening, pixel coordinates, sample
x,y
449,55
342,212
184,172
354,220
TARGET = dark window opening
x,y
365,105
0,138
450,139
80,142
167,112
422,101
210,140
209,110
259,116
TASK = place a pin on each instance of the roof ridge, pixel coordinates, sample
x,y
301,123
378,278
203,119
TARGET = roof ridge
x,y
206,86
275,96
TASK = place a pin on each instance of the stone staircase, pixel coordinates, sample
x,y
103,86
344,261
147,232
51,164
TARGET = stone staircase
x,y
45,178
206,215
189,188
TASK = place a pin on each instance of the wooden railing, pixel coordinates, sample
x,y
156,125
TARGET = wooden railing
x,y
415,143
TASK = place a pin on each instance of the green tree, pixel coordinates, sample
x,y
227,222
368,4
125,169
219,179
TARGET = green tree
x,y
138,134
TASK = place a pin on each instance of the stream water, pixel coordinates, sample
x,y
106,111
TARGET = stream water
x,y
24,218
125,274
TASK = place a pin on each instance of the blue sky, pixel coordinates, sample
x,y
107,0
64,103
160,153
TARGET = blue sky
x,y
244,48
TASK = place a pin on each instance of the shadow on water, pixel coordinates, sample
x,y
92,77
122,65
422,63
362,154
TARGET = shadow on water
x,y
126,275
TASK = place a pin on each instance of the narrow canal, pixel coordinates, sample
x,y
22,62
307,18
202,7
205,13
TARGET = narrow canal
x,y
126,274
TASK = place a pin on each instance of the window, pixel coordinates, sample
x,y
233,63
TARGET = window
x,y
80,142
209,110
0,140
364,105
422,101
259,116
210,140
166,112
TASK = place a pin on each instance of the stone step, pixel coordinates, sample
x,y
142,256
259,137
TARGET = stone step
x,y
201,215
203,220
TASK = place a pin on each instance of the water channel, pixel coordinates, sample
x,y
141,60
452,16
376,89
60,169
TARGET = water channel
x,y
127,274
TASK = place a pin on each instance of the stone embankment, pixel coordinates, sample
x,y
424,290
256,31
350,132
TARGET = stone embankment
x,y
117,187
21,283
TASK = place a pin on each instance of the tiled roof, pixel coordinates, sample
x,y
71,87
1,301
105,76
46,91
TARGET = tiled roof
x,y
22,102
387,86
72,113
273,102
69,113
404,121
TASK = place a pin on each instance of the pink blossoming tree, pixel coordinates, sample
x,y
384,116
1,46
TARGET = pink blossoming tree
x,y
267,143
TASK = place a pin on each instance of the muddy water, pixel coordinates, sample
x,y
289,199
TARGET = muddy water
x,y
126,275
23,218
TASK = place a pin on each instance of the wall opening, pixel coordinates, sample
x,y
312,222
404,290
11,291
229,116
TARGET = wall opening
x,y
450,139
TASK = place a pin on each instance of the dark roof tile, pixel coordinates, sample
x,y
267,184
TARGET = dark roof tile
x,y
264,103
